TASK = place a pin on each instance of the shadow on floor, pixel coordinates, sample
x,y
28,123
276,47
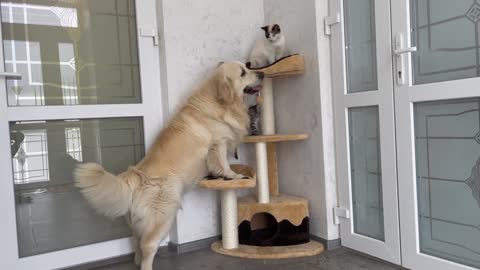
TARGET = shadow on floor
x,y
340,259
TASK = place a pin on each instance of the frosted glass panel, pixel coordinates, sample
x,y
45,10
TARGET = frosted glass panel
x,y
71,52
446,34
51,212
366,172
447,136
360,45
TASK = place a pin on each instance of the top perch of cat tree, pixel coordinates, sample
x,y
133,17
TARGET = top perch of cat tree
x,y
286,66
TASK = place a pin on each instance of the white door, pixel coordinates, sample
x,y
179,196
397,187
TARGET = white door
x,y
438,132
365,132
89,91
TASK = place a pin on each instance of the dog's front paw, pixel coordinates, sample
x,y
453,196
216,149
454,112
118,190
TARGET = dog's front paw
x,y
233,176
238,176
241,176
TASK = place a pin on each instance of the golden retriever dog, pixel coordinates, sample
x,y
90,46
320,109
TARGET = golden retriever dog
x,y
194,144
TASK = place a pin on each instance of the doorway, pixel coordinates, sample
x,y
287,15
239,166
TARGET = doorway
x,y
78,83
407,122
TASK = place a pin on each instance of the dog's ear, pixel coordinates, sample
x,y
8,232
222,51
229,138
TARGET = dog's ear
x,y
225,91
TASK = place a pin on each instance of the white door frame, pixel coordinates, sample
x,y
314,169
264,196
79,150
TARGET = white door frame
x,y
383,98
405,97
151,111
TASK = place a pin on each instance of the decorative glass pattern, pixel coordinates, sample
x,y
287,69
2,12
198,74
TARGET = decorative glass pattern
x,y
366,177
51,213
71,52
73,141
447,36
30,162
448,179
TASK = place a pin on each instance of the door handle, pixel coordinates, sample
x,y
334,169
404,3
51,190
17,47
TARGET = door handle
x,y
406,50
11,75
399,51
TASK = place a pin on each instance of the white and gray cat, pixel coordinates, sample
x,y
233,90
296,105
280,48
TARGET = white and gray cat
x,y
266,51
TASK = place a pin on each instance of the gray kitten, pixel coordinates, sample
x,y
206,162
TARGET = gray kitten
x,y
254,114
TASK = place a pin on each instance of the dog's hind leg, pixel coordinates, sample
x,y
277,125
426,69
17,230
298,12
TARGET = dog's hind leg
x,y
151,237
135,240
138,250
217,162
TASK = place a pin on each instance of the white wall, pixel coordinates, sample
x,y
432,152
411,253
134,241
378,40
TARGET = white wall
x,y
304,105
196,35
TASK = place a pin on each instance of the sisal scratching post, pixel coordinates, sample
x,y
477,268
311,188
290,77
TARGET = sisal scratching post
x,y
262,172
229,219
228,200
268,128
268,118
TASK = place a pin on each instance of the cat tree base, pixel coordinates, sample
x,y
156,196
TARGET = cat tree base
x,y
284,221
311,248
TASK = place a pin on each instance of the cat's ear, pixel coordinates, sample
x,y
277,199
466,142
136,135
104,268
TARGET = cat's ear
x,y
265,28
276,28
219,64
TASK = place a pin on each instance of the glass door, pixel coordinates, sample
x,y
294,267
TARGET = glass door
x,y
364,125
78,83
438,131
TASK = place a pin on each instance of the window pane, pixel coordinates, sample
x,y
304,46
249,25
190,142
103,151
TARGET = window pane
x,y
71,52
446,34
361,55
366,174
447,143
51,212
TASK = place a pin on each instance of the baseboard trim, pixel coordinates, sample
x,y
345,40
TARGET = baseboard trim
x,y
329,244
177,249
101,263
192,246
172,248
120,259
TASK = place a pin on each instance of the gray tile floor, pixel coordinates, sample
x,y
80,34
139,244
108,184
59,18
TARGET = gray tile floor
x,y
340,259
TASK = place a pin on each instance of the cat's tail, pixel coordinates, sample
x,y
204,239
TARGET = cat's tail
x,y
108,194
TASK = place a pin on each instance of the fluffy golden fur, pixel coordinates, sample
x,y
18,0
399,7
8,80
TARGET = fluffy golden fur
x,y
194,143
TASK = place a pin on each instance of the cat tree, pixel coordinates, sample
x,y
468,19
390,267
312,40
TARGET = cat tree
x,y
269,225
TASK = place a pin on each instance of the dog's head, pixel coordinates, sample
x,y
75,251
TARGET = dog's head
x,y
234,79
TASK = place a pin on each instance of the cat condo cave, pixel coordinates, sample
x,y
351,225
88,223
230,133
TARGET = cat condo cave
x,y
269,225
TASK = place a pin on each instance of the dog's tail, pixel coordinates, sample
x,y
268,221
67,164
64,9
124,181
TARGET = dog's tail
x,y
108,194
